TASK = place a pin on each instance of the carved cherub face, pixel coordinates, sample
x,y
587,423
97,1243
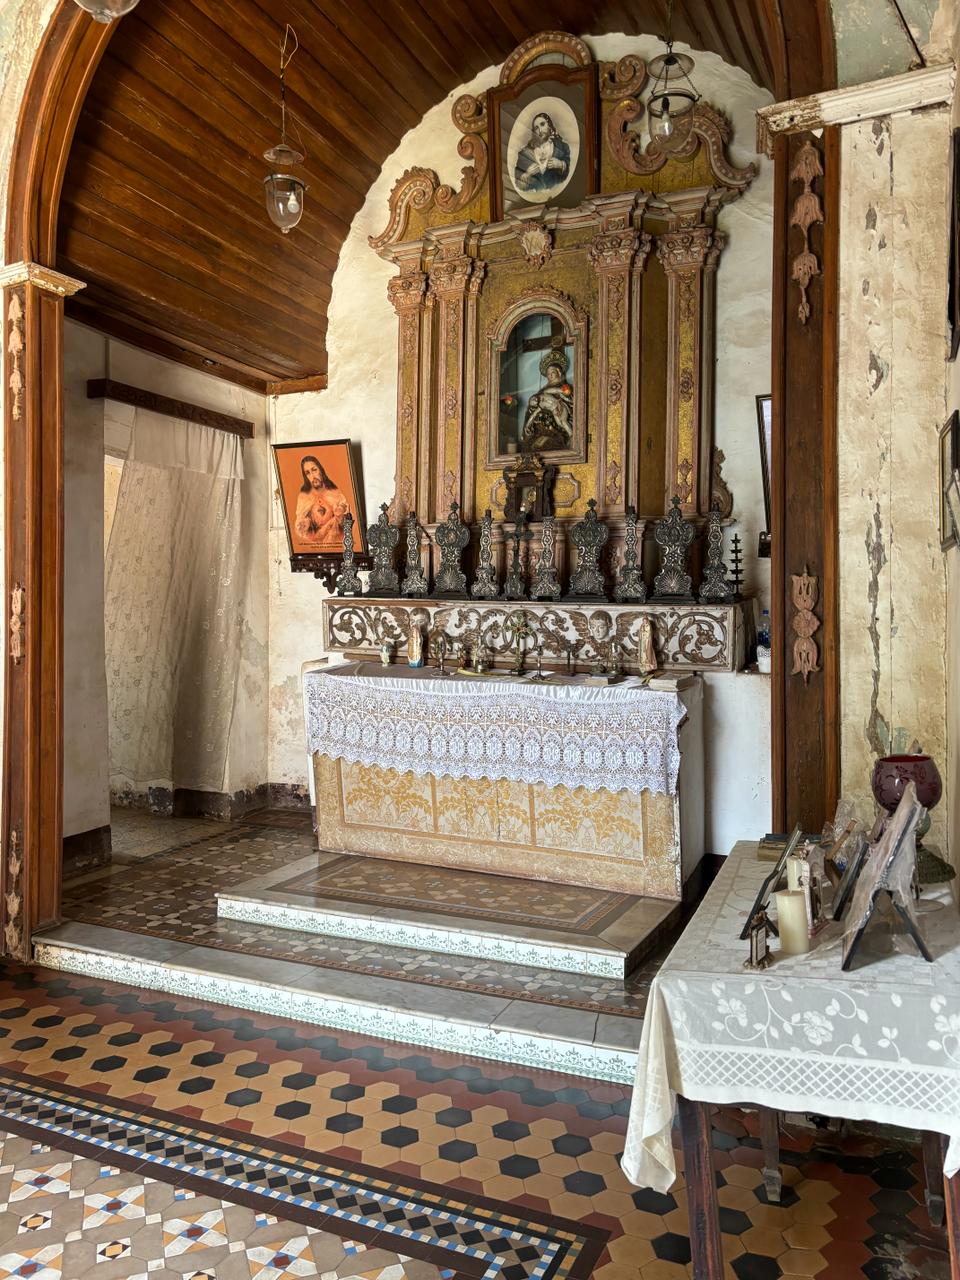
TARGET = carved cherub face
x,y
598,626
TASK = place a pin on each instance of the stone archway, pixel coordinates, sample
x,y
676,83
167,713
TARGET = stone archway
x,y
804,771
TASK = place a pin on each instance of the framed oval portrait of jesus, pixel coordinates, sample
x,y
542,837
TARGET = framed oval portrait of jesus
x,y
543,139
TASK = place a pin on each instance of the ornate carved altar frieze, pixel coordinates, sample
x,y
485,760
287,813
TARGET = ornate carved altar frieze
x,y
686,637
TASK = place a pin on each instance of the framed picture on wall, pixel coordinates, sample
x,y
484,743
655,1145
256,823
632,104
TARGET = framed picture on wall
x,y
765,428
950,482
543,139
317,486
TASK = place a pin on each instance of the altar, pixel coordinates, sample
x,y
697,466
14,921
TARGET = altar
x,y
563,781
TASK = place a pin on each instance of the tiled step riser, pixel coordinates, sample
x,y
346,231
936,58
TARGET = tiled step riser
x,y
421,937
446,1035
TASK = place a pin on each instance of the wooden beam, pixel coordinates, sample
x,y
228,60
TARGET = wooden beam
x,y
318,382
107,389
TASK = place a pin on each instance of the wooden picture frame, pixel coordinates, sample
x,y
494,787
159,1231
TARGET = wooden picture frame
x,y
765,433
771,881
851,873
314,505
953,279
949,453
535,164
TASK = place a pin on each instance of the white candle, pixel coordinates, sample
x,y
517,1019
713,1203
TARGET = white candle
x,y
793,873
792,922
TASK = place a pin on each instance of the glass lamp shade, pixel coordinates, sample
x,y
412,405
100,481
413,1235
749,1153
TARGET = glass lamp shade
x,y
673,92
284,198
107,10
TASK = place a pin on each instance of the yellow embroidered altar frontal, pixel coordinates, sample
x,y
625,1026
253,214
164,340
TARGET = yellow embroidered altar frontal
x,y
603,839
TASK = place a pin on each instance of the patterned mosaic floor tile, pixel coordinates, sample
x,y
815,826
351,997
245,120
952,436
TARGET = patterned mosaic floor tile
x,y
323,1108
172,894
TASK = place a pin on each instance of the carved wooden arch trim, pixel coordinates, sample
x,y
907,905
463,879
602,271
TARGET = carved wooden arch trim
x,y
32,830
419,188
69,54
704,126
575,320
540,45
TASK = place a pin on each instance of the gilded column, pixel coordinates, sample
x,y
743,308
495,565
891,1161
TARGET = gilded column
x,y
689,257
450,279
32,832
407,292
616,254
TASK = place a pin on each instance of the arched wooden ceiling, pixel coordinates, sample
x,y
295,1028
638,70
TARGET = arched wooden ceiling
x,y
162,210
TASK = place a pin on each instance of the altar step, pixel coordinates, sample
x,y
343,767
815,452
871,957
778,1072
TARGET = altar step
x,y
607,939
527,1032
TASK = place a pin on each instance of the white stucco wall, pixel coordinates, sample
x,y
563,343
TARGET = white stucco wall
x,y
86,753
86,784
892,403
361,399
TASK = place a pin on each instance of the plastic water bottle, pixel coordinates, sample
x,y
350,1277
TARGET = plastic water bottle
x,y
763,631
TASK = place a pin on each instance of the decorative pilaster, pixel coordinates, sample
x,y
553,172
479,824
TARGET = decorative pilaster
x,y
689,257
450,280
615,252
407,292
32,835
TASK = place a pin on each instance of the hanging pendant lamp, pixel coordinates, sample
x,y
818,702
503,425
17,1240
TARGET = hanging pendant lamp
x,y
284,192
107,10
674,95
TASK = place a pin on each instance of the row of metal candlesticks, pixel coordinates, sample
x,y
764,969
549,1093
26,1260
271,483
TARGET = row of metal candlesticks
x,y
587,582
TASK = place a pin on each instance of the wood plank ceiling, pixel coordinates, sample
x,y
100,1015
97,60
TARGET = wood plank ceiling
x,y
162,209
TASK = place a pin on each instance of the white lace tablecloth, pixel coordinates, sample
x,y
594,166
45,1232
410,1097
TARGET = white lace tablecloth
x,y
617,737
881,1042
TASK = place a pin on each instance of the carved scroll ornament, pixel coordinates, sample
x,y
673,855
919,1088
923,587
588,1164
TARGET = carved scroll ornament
x,y
17,600
807,212
703,126
806,592
541,47
623,79
420,188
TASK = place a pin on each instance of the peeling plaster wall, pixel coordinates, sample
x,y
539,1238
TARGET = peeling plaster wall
x,y
872,42
361,403
893,239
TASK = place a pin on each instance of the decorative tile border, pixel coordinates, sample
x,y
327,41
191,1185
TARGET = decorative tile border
x,y
542,1052
477,1238
424,937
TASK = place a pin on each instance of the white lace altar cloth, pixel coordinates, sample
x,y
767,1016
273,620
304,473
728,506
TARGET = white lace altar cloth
x,y
880,1042
616,737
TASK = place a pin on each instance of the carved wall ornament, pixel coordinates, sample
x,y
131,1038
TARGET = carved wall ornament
x,y
623,79
721,495
807,212
406,291
15,350
14,942
689,637
614,386
537,244
613,489
805,623
614,250
17,603
420,188
704,126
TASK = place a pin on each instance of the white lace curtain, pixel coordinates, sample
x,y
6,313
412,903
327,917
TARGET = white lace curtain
x,y
172,607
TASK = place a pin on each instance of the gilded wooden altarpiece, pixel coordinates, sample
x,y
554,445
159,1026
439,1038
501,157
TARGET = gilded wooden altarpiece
x,y
640,359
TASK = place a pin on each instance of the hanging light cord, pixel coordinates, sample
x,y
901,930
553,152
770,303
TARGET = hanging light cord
x,y
286,53
921,60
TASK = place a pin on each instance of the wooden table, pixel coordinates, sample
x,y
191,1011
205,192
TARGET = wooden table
x,y
879,1043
